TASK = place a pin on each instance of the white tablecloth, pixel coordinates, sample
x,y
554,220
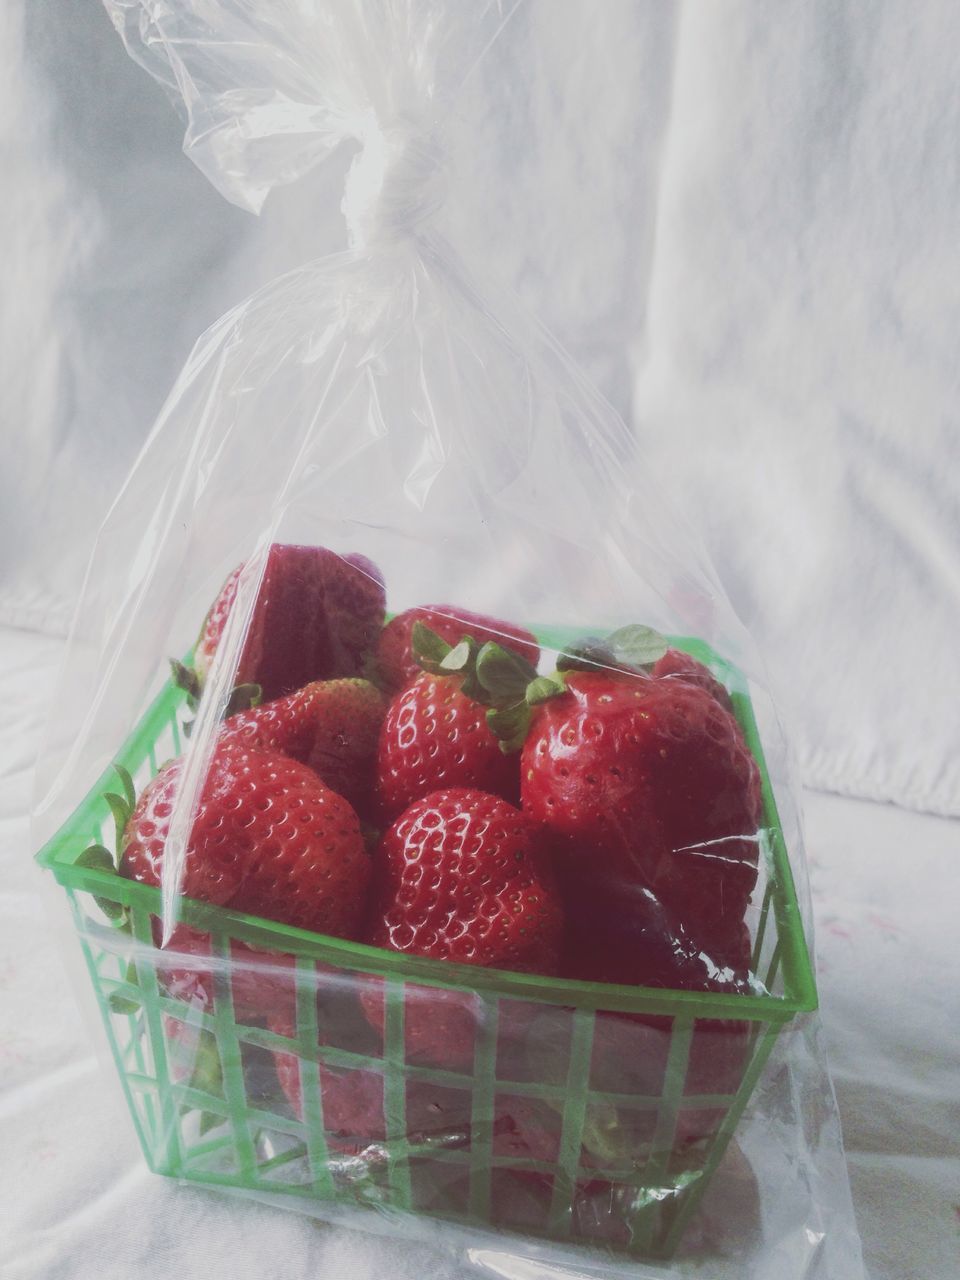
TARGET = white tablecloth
x,y
79,1203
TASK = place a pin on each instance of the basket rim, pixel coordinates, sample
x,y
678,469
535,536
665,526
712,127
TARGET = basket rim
x,y
60,852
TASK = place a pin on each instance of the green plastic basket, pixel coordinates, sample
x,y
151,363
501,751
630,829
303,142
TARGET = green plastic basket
x,y
223,1129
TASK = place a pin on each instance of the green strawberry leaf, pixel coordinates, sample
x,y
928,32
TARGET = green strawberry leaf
x,y
209,1121
243,698
461,657
115,912
126,782
636,646
502,674
120,1003
510,725
121,813
193,1053
633,649
471,687
586,655
207,1073
186,678
544,688
98,858
427,647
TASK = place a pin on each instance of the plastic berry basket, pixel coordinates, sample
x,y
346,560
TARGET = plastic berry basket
x,y
226,1128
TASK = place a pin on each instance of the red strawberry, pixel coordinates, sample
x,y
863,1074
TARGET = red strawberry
x,y
675,664
214,624
317,616
460,876
396,661
351,1099
629,1057
344,748
653,799
434,736
268,838
287,725
331,725
261,982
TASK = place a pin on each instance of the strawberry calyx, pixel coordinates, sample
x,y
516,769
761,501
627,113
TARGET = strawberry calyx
x,y
510,686
244,697
97,857
501,680
634,649
439,658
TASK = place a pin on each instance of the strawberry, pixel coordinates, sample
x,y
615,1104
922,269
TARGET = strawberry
x,y
317,616
652,798
396,661
346,737
629,1057
286,725
435,736
351,1099
675,664
460,876
215,622
268,838
261,982
331,725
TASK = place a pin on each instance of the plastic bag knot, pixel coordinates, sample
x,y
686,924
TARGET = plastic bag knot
x,y
396,181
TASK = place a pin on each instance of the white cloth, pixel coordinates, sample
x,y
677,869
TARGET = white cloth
x,y
800,385
79,1204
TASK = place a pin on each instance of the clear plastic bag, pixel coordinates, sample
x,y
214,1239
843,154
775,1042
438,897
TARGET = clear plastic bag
x,y
490,918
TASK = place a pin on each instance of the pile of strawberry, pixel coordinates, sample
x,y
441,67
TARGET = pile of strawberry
x,y
420,786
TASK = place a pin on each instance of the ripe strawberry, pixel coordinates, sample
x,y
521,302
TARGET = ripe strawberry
x,y
331,725
631,1050
460,876
351,1099
352,1102
653,799
214,624
268,838
344,747
317,616
395,657
675,664
261,982
287,725
434,736
629,1057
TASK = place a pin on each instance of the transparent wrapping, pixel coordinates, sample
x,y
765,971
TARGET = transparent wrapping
x,y
438,869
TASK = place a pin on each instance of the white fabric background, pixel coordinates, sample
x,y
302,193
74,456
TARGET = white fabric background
x,y
800,387
745,227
